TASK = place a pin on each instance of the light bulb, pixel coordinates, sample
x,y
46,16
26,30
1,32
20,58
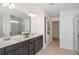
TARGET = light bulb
x,y
31,14
13,5
9,5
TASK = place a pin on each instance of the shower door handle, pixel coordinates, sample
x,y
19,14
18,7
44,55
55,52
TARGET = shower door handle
x,y
78,35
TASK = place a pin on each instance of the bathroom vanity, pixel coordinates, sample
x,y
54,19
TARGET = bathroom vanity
x,y
19,45
13,23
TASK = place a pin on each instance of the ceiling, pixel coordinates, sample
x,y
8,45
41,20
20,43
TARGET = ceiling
x,y
14,12
50,9
53,9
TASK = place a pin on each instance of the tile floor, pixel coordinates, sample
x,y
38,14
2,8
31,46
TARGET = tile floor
x,y
53,49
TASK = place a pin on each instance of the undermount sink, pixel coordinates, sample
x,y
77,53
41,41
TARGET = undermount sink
x,y
1,40
4,39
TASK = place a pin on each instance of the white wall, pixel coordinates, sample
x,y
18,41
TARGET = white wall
x,y
66,28
33,25
27,22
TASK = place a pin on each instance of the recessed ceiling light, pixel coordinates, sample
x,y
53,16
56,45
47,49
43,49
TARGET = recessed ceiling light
x,y
51,3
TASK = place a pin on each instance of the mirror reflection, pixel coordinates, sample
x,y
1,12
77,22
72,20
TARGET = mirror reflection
x,y
17,25
13,22
1,26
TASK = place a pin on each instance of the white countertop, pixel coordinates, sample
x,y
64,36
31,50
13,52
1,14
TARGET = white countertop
x,y
15,39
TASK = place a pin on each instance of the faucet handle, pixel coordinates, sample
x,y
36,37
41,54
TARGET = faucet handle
x,y
7,38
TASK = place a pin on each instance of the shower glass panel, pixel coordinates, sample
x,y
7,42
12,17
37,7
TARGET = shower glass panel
x,y
76,34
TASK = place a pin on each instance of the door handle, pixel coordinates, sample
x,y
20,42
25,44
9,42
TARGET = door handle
x,y
78,35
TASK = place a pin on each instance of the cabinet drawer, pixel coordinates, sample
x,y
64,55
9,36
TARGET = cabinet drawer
x,y
22,51
2,51
36,38
31,40
31,44
11,48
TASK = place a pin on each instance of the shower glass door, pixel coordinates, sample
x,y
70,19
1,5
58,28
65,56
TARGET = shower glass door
x,y
76,34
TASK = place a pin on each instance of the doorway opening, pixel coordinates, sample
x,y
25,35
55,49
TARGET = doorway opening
x,y
55,33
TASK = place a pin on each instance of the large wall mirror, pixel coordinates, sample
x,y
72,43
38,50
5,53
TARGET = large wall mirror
x,y
13,22
17,25
1,25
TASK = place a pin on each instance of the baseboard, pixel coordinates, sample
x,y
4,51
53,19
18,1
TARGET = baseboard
x,y
47,43
55,38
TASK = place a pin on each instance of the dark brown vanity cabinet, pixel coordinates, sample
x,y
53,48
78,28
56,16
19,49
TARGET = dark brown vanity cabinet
x,y
28,47
11,49
23,50
38,43
11,53
17,49
35,44
31,47
1,51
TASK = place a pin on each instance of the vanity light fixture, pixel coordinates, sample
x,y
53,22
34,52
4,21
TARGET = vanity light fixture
x,y
14,21
31,14
9,5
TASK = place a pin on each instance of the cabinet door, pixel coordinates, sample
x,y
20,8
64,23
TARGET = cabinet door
x,y
11,48
2,51
31,47
31,44
40,42
36,45
22,51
